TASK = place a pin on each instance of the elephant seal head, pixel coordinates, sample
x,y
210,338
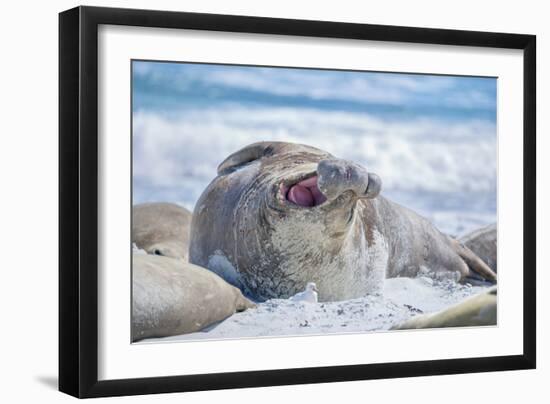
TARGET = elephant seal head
x,y
279,215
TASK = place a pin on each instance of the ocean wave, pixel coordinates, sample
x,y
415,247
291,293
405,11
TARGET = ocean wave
x,y
176,153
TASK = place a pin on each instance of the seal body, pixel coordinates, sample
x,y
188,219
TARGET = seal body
x,y
479,310
483,242
162,229
172,297
280,215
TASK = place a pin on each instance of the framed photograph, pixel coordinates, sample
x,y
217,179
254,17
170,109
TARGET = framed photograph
x,y
250,201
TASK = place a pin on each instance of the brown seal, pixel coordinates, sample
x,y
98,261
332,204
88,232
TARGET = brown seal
x,y
479,310
483,242
171,297
162,229
280,215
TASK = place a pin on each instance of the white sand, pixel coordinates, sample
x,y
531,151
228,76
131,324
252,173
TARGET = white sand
x,y
403,298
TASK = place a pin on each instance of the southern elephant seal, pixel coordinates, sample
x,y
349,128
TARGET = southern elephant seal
x,y
479,310
279,215
162,229
483,242
172,297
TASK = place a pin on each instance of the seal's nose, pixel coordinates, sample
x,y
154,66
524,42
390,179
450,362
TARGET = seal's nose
x,y
336,176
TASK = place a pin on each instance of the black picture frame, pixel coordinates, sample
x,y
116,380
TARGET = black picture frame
x,y
78,200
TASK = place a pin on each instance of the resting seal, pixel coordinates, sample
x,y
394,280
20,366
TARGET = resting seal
x,y
172,297
162,229
479,310
483,242
280,215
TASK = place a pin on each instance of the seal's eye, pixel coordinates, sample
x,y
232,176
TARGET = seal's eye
x,y
157,252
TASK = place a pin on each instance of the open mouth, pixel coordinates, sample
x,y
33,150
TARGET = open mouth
x,y
305,193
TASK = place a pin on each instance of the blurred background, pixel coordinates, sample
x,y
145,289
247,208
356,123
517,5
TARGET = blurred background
x,y
432,139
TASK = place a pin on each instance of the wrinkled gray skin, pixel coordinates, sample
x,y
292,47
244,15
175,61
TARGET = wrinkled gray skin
x,y
172,297
245,229
162,229
479,310
483,242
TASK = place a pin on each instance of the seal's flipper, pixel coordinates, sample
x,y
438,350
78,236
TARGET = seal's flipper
x,y
479,270
259,150
244,156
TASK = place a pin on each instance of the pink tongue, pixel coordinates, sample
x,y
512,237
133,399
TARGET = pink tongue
x,y
300,195
306,193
